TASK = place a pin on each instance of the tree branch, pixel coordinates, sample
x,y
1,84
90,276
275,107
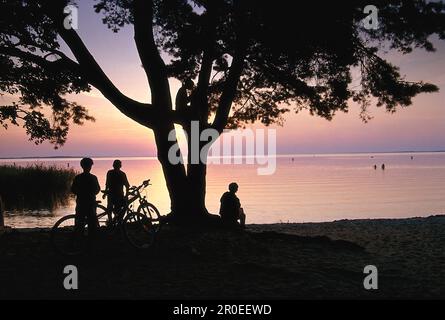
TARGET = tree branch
x,y
139,112
229,92
235,71
148,52
93,73
200,103
41,61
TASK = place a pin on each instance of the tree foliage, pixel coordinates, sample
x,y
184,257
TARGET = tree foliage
x,y
34,75
253,60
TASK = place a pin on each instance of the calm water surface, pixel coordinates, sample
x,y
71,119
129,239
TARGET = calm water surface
x,y
307,188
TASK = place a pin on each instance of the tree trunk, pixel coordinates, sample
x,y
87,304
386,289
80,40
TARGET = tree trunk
x,y
2,221
196,178
175,176
186,190
196,172
196,184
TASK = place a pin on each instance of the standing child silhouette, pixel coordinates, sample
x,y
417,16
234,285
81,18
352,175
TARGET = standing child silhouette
x,y
115,184
86,187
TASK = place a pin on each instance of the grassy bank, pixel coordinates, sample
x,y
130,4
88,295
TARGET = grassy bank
x,y
35,187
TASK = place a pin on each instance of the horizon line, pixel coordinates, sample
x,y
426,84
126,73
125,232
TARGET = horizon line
x,y
243,156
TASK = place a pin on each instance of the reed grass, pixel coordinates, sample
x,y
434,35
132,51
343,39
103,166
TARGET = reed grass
x,y
35,187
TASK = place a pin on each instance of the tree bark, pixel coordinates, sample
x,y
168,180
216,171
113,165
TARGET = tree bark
x,y
196,176
175,175
2,221
187,190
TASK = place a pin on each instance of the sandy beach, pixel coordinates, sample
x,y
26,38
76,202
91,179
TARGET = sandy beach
x,y
288,261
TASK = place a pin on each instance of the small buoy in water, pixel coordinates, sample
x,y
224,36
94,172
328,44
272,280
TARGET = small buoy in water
x,y
383,166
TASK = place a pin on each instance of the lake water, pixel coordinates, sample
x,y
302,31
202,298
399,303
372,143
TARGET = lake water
x,y
309,188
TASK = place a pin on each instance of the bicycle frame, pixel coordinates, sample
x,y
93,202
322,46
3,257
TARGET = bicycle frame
x,y
133,194
130,221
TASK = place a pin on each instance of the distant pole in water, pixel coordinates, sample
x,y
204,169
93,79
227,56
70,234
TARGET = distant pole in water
x,y
383,166
412,157
293,159
375,167
68,164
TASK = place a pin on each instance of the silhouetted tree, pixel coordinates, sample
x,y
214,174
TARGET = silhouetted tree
x,y
253,61
2,221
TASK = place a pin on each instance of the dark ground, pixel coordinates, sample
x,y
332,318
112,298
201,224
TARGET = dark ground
x,y
287,261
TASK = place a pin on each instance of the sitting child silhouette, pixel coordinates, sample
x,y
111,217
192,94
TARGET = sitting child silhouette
x,y
231,210
182,97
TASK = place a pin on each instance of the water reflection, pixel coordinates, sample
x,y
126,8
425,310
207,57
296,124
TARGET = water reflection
x,y
307,188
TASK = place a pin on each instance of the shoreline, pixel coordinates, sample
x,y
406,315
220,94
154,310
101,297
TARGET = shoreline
x,y
273,225
268,261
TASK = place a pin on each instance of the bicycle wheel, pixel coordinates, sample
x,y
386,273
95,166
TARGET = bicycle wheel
x,y
66,240
139,230
152,213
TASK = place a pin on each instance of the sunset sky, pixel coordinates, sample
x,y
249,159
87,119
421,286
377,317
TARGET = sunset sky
x,y
421,127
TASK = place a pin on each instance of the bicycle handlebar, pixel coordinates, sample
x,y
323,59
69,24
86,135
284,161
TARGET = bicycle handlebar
x,y
132,189
144,184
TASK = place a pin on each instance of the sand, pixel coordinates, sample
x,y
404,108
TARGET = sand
x,y
276,261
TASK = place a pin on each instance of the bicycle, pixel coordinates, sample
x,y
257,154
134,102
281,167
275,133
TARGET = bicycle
x,y
138,227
